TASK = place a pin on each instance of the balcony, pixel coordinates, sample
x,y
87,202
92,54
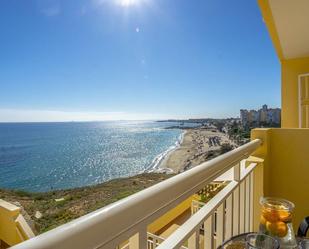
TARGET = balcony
x,y
260,167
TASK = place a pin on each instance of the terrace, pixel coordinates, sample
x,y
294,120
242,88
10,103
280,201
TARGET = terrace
x,y
274,163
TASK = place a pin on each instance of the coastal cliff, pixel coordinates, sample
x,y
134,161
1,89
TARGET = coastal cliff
x,y
51,209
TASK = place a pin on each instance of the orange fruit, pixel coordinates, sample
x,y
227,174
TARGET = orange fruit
x,y
279,228
270,215
284,216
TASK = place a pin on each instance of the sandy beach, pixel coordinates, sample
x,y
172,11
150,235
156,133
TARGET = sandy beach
x,y
198,145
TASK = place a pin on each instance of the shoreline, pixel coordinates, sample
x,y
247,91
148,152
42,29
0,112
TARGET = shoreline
x,y
155,166
56,207
197,146
162,164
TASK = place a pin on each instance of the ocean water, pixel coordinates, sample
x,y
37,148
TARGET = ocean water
x,y
45,156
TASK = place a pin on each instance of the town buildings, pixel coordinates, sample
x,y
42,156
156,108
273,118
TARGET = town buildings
x,y
263,116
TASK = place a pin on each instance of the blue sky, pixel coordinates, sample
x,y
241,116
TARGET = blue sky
x,y
133,59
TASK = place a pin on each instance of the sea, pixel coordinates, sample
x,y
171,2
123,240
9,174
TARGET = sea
x,y
41,157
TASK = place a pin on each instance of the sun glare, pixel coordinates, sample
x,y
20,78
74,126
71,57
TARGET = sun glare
x,y
127,3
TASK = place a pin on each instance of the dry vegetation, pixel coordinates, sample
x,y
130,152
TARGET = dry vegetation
x,y
76,202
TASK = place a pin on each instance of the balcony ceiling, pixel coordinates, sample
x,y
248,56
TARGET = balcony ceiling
x,y
291,20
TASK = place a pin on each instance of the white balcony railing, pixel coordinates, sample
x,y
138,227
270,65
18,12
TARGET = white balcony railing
x,y
154,241
228,213
196,206
127,219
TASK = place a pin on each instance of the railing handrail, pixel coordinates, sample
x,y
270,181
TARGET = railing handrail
x,y
109,226
156,238
153,236
196,220
200,203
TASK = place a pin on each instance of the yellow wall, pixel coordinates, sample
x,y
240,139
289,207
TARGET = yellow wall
x,y
270,24
8,231
13,227
170,215
286,166
290,71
